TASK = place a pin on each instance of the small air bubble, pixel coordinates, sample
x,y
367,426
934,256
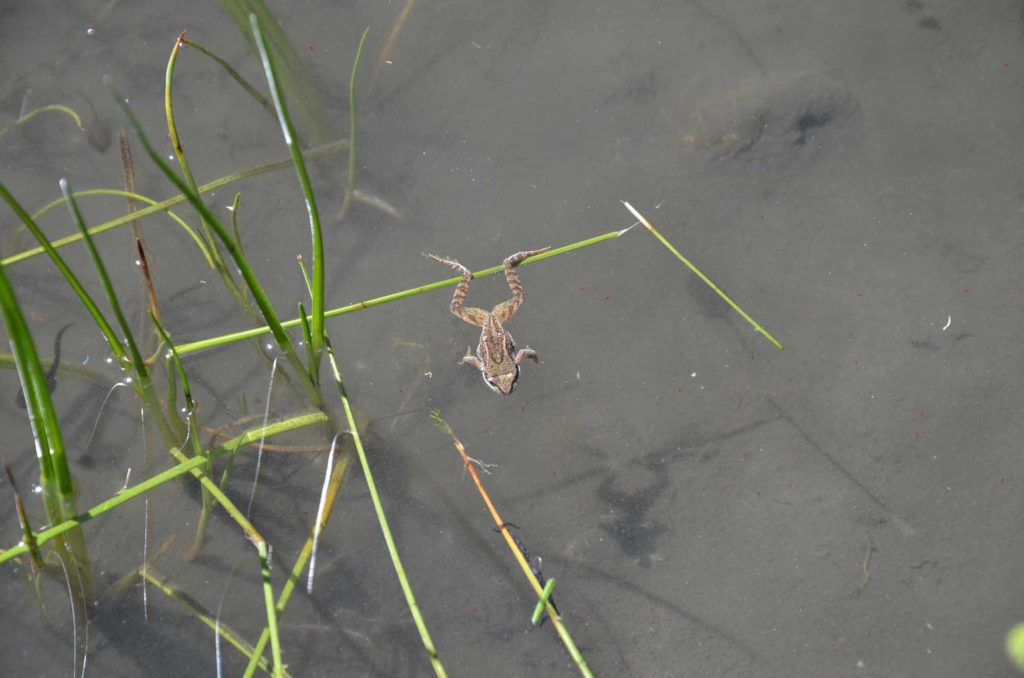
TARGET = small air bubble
x,y
128,380
37,489
109,360
90,31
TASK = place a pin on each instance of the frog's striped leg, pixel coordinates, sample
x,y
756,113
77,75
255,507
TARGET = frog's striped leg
x,y
473,316
507,309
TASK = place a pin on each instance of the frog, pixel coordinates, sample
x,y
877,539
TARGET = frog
x,y
496,356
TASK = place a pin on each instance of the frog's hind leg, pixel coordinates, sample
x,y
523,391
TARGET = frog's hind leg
x,y
507,309
473,316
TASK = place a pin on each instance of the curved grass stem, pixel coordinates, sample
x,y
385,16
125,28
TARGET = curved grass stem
x,y
350,185
316,153
66,110
291,140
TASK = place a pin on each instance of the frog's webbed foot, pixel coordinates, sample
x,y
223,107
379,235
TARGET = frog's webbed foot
x,y
527,353
470,359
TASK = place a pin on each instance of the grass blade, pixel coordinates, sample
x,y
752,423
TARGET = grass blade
x,y
316,153
350,187
58,487
290,139
70,112
179,151
389,539
700,275
138,362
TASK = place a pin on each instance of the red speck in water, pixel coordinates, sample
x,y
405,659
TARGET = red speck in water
x,y
311,47
607,297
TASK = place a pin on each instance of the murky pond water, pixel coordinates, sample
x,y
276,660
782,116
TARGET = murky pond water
x,y
708,505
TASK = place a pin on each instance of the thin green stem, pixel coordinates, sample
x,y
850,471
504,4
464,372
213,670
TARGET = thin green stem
x,y
203,344
108,331
108,288
141,198
235,75
700,275
66,110
389,539
184,465
55,479
317,153
190,605
291,140
179,151
350,186
337,476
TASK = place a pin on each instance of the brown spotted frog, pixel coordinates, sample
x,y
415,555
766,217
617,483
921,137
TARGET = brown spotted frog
x,y
496,356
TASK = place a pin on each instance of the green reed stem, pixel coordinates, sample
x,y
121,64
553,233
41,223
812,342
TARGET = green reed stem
x,y
700,275
108,288
235,75
316,153
291,140
141,198
193,424
350,186
185,465
203,344
55,479
389,539
66,110
45,246
179,152
334,487
190,606
293,74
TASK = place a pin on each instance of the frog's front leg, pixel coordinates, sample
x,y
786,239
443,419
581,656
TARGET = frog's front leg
x,y
524,354
470,359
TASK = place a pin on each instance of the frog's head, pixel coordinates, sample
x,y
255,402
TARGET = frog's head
x,y
503,382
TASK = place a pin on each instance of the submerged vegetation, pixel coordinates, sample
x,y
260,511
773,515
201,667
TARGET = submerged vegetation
x,y
160,379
